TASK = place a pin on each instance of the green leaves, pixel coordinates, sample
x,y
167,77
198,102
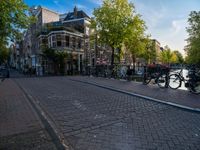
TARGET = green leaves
x,y
4,53
136,41
13,19
167,56
193,47
117,23
57,57
179,56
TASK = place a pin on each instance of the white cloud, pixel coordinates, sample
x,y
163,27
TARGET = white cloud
x,y
178,26
174,36
178,34
151,15
167,28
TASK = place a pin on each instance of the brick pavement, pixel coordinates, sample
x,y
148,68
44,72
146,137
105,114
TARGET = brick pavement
x,y
180,97
93,118
20,127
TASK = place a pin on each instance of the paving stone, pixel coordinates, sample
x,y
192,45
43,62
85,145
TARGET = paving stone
x,y
20,128
93,117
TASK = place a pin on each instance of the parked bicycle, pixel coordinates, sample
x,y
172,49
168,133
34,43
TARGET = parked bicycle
x,y
192,82
119,72
158,73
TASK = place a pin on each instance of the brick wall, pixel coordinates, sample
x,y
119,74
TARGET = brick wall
x,y
49,16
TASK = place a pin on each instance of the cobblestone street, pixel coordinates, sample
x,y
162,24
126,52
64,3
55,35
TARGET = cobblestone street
x,y
99,75
180,97
94,118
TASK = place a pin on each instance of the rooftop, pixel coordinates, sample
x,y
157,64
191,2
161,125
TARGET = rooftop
x,y
76,14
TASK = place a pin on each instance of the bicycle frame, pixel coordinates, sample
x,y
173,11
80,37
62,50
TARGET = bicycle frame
x,y
192,78
156,76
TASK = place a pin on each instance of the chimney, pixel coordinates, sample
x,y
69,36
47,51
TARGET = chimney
x,y
75,12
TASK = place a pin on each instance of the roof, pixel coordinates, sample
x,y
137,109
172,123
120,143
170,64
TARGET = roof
x,y
156,41
58,26
35,10
72,15
49,10
62,16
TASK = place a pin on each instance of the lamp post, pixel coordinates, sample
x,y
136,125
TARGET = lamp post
x,y
96,53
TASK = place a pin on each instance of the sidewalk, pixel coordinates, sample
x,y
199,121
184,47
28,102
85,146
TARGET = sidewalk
x,y
20,127
177,97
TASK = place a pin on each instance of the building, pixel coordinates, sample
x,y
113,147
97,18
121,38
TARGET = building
x,y
158,49
67,40
16,54
61,32
31,49
69,33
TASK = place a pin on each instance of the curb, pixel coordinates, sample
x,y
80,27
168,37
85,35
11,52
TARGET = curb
x,y
197,110
57,138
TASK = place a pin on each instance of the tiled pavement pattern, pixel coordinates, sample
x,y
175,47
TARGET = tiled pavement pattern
x,y
180,97
93,118
20,127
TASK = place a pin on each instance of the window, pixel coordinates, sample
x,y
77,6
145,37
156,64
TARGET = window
x,y
67,41
73,42
81,58
58,40
79,43
44,41
53,41
53,38
63,40
49,41
54,44
93,62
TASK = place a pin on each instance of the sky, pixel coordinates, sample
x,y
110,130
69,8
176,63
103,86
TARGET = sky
x,y
166,20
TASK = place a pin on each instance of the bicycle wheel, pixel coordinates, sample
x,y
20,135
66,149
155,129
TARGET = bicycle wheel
x,y
194,87
146,78
174,81
162,81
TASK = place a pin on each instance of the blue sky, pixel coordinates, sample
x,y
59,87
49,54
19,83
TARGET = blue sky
x,y
166,19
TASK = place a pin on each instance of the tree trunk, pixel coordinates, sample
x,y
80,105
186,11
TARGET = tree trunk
x,y
112,56
133,59
119,55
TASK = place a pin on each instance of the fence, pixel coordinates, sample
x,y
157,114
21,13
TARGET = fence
x,y
117,71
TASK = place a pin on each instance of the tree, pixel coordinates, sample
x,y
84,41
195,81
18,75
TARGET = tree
x,y
179,56
112,23
167,56
60,60
136,42
57,57
193,47
174,58
13,19
4,53
149,53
